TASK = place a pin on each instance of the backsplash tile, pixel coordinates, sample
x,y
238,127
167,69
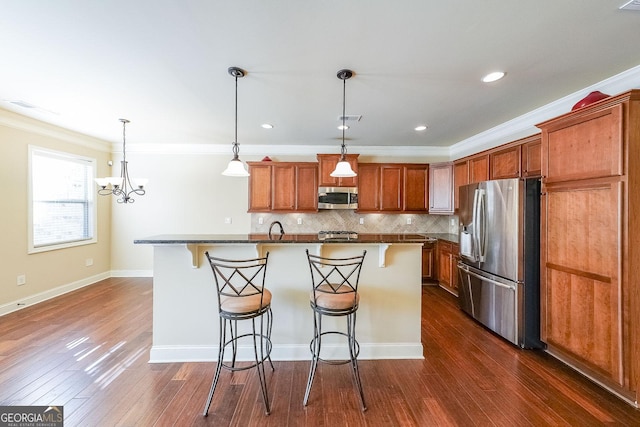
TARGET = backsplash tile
x,y
350,220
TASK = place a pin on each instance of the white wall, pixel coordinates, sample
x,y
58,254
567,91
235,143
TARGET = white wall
x,y
186,193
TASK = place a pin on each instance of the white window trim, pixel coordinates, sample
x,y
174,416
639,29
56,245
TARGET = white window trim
x,y
31,249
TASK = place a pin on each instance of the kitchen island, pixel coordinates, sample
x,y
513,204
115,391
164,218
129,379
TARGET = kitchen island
x,y
185,318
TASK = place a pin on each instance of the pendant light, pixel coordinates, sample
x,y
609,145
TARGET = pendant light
x,y
343,168
235,167
120,186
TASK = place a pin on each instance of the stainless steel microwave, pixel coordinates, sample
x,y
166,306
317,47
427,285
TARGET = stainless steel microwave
x,y
337,197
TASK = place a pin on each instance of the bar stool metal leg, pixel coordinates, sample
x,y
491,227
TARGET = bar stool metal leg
x,y
216,377
353,352
315,353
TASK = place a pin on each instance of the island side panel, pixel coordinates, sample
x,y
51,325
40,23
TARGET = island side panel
x,y
185,310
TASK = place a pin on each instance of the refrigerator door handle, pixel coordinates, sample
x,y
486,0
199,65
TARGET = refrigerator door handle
x,y
483,229
486,279
476,225
479,224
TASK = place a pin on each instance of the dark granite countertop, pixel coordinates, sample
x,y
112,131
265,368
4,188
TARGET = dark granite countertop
x,y
167,239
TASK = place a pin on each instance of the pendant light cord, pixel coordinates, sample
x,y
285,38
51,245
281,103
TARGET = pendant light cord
x,y
236,150
343,148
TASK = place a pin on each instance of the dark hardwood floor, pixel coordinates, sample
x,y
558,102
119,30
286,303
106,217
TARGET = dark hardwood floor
x,y
88,351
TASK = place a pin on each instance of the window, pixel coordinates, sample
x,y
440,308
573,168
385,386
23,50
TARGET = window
x,y
61,200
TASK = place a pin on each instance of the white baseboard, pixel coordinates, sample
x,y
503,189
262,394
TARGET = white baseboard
x,y
51,293
131,273
287,352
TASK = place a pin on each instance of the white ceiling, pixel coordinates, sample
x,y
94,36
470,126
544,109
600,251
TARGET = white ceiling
x,y
163,65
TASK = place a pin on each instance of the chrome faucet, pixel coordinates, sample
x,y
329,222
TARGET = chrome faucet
x,y
271,227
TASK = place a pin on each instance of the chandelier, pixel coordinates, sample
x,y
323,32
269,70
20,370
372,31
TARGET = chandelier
x,y
343,168
121,186
235,167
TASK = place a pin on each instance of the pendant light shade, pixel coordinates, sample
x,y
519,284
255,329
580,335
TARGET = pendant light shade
x,y
236,167
343,168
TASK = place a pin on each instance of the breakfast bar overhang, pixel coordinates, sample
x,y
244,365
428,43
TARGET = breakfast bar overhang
x,y
185,318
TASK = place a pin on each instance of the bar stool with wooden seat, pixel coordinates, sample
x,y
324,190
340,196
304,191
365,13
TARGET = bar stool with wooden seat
x,y
242,296
335,293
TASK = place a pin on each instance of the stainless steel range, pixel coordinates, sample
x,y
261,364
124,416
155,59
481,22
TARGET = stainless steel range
x,y
337,235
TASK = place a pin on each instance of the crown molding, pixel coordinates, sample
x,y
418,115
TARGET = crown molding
x,y
28,124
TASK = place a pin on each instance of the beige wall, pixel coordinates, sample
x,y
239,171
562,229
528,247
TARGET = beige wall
x,y
45,271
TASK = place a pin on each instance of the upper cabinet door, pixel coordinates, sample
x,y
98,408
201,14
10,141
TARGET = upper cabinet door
x,y
532,158
283,177
259,187
479,168
460,178
441,188
307,187
505,163
391,187
368,187
416,188
585,146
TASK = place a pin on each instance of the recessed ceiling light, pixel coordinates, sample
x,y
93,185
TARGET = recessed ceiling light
x,y
492,77
345,127
267,126
421,128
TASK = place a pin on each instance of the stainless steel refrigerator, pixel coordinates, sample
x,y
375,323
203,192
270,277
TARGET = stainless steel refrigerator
x,y
499,268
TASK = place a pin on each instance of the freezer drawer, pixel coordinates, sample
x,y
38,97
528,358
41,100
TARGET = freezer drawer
x,y
489,299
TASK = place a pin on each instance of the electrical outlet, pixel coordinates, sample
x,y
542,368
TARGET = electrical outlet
x,y
409,221
453,222
260,221
299,221
227,220
22,279
88,262
361,221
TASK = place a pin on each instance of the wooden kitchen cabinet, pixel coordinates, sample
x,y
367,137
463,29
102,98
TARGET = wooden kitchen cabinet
x,y
460,178
327,164
590,253
455,257
368,187
259,187
531,157
393,187
283,179
283,187
306,184
441,187
479,168
416,190
447,255
505,163
428,262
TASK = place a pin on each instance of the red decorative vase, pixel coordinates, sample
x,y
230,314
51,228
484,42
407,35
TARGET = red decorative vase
x,y
590,99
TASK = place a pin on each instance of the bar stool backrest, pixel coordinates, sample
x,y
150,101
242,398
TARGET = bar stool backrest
x,y
239,278
336,277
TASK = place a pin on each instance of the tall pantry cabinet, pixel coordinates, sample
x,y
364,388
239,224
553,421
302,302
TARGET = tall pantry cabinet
x,y
590,241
